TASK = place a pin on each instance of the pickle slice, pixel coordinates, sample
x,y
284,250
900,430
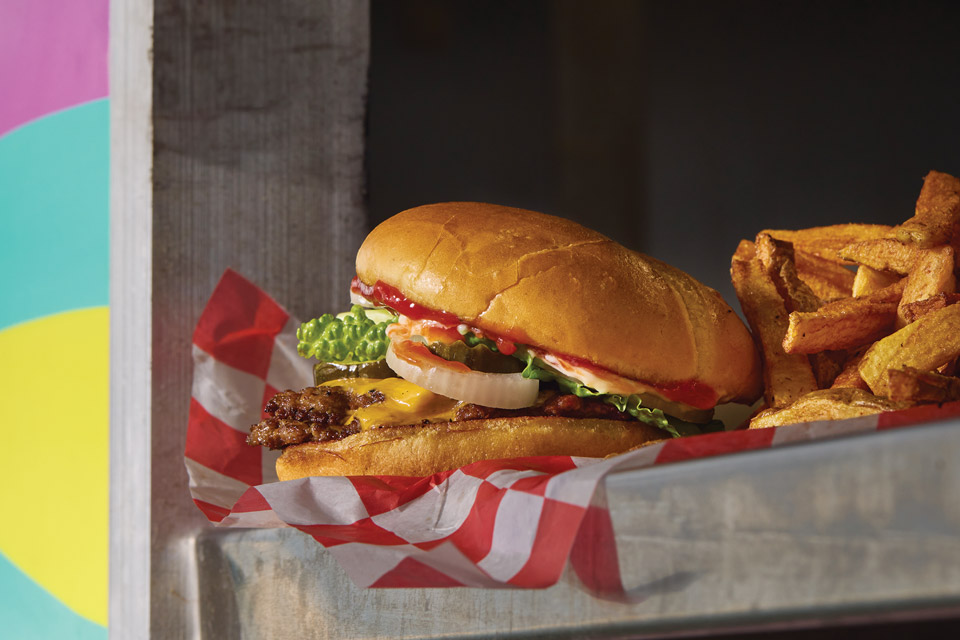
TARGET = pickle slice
x,y
326,371
477,357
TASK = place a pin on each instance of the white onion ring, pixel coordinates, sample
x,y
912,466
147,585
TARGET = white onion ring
x,y
499,390
356,298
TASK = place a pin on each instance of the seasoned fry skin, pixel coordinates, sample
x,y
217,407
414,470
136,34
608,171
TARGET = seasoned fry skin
x,y
786,376
827,404
887,336
928,343
827,241
912,385
937,212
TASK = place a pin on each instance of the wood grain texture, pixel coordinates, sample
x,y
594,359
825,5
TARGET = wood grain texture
x,y
257,116
131,148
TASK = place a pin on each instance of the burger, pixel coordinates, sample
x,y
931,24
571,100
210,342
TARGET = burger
x,y
481,332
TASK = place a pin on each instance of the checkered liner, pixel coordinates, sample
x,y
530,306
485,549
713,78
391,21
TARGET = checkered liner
x,y
494,524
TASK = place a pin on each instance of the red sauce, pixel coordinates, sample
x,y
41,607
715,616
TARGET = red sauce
x,y
505,346
390,296
690,392
416,353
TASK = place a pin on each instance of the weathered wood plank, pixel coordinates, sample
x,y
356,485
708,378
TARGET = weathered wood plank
x,y
257,116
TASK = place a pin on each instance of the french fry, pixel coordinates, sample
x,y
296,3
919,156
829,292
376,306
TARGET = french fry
x,y
937,211
949,369
890,293
844,324
955,243
746,250
930,342
826,366
826,278
869,280
932,275
912,385
884,254
776,256
825,242
850,375
826,404
839,327
920,308
786,376
885,338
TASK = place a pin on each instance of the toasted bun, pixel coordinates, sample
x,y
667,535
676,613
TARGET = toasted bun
x,y
422,450
556,285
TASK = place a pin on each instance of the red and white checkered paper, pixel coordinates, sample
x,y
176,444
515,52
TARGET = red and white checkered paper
x,y
500,523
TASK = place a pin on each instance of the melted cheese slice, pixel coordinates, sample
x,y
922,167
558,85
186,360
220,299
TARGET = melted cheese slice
x,y
404,403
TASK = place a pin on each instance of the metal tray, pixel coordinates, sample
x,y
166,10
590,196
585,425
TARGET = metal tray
x,y
864,528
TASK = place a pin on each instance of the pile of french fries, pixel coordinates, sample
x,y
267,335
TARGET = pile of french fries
x,y
855,319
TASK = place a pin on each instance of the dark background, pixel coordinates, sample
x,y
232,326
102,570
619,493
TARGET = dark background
x,y
677,128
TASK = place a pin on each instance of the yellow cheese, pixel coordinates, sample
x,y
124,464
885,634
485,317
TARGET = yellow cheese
x,y
404,402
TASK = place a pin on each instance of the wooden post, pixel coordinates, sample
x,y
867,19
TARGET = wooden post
x,y
238,143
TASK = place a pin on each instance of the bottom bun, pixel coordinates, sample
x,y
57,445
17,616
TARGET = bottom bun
x,y
421,450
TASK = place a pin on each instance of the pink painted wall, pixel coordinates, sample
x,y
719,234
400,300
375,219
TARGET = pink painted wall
x,y
53,55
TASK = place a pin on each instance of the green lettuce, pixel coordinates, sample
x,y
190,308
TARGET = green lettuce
x,y
535,369
355,336
633,404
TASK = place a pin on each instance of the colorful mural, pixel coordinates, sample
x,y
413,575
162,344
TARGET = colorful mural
x,y
54,328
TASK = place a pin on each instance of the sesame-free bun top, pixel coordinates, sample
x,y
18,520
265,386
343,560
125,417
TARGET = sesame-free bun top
x,y
554,284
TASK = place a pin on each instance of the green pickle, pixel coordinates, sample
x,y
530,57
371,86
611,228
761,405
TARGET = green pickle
x,y
478,357
358,335
327,371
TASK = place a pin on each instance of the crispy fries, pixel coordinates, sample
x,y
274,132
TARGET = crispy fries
x,y
786,377
885,338
825,242
930,342
844,324
915,310
826,278
884,254
849,376
777,259
938,210
932,275
913,385
827,404
869,280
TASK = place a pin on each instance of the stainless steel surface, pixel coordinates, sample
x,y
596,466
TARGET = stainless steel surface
x,y
863,528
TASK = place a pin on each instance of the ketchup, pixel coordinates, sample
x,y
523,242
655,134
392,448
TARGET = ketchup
x,y
690,392
390,296
416,354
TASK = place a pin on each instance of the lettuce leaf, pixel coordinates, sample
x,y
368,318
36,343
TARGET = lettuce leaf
x,y
632,404
537,369
349,337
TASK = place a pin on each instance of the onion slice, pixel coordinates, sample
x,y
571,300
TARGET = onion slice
x,y
356,298
499,390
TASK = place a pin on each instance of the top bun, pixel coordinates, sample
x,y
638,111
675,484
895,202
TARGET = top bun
x,y
554,284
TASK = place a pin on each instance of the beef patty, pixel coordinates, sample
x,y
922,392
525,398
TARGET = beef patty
x,y
319,414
